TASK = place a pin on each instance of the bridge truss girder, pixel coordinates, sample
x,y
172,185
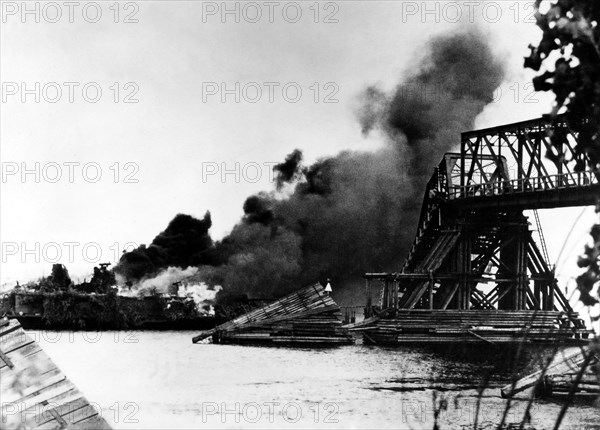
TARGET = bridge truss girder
x,y
525,150
494,264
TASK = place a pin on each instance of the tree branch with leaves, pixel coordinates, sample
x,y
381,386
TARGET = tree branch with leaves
x,y
569,55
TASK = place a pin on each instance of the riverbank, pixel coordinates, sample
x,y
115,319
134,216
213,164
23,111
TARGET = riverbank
x,y
72,310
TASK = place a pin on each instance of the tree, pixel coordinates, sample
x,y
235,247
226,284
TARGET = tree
x,y
569,51
59,280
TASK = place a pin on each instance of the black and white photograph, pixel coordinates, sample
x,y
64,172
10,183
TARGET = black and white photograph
x,y
304,214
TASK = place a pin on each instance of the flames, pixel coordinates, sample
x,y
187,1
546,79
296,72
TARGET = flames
x,y
178,282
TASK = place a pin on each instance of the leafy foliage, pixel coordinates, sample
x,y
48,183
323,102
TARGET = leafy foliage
x,y
75,310
590,260
102,281
570,40
70,309
7,304
59,280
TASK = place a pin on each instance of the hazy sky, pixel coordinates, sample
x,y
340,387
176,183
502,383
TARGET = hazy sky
x,y
112,173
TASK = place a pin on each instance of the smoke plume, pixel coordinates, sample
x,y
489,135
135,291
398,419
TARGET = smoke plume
x,y
175,281
164,280
184,243
425,115
289,170
354,212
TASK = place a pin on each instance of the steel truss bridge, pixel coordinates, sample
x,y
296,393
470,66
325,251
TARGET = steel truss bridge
x,y
474,248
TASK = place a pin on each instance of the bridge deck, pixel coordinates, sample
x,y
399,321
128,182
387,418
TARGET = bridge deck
x,y
553,191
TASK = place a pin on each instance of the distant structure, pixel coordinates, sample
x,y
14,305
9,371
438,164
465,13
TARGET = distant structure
x,y
102,281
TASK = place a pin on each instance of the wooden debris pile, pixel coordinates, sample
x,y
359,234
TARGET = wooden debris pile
x,y
306,317
577,371
35,393
413,326
563,383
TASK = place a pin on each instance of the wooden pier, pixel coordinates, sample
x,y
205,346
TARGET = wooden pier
x,y
35,393
306,317
493,327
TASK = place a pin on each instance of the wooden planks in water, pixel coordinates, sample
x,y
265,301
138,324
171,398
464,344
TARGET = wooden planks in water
x,y
564,383
308,316
419,326
561,375
35,393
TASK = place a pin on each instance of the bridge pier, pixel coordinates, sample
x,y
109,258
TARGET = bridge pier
x,y
513,264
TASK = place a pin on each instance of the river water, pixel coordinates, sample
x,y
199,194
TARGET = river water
x,y
160,380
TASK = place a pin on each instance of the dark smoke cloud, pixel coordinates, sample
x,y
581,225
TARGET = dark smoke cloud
x,y
185,242
259,264
427,112
357,211
257,209
289,170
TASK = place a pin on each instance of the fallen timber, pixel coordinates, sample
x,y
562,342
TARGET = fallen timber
x,y
306,317
576,371
35,393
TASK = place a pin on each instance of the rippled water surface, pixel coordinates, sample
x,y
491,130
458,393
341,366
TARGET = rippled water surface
x,y
161,380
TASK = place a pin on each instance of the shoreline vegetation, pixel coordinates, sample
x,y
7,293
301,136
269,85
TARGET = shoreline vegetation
x,y
74,310
56,303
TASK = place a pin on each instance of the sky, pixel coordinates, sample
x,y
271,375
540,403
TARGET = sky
x,y
117,116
